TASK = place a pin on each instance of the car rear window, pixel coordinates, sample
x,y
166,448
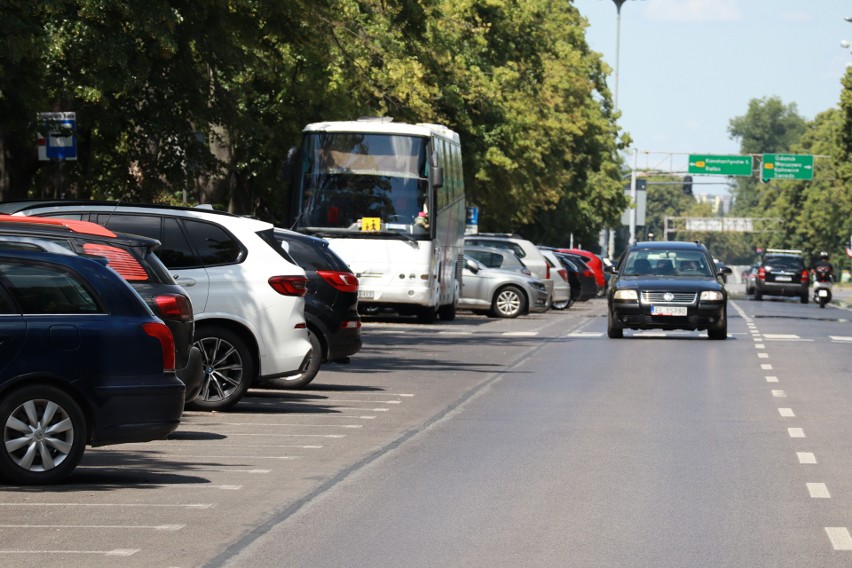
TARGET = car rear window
x,y
120,260
314,255
47,290
788,262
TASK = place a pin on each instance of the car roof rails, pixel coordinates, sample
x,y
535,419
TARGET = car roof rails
x,y
76,226
783,251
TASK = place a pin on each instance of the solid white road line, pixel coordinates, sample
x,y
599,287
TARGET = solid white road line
x,y
132,527
115,552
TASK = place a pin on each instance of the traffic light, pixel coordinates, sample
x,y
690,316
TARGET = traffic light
x,y
687,185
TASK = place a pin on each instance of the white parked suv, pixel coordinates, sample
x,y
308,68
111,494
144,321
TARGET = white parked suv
x,y
247,295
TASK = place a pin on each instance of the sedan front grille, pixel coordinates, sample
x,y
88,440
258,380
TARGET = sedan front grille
x,y
669,297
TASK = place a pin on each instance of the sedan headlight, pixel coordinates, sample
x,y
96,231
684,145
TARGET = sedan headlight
x,y
626,295
712,296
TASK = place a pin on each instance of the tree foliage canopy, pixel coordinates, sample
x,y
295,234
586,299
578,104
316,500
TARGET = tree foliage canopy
x,y
178,97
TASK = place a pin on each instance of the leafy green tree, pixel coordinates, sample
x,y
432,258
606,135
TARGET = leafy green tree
x,y
769,126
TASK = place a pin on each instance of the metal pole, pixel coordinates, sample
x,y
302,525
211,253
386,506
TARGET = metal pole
x,y
633,197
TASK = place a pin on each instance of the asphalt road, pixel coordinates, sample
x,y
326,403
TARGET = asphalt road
x,y
482,442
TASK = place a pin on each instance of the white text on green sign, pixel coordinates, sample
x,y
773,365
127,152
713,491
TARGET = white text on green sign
x,y
788,166
720,165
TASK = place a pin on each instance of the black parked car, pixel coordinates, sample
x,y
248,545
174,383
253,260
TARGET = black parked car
x,y
134,258
84,361
331,305
584,285
668,285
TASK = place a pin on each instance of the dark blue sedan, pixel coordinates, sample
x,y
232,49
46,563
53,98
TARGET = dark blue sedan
x,y
83,360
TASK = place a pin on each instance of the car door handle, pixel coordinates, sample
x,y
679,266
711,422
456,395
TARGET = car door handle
x,y
186,281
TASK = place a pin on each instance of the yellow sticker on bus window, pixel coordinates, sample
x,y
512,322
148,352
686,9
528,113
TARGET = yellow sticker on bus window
x,y
371,223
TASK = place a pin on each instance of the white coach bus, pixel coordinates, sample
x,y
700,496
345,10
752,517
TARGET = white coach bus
x,y
389,198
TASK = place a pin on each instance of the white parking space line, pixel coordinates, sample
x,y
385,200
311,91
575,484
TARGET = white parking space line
x,y
771,379
806,457
109,505
131,527
786,412
839,537
818,490
115,552
585,334
796,432
840,338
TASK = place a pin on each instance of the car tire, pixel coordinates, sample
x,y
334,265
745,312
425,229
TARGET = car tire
x,y
447,312
564,305
614,330
720,331
229,368
509,302
311,369
44,435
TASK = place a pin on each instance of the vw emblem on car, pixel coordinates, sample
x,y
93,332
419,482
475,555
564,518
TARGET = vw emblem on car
x,y
668,297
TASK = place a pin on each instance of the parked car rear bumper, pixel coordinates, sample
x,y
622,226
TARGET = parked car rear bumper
x,y
192,375
131,413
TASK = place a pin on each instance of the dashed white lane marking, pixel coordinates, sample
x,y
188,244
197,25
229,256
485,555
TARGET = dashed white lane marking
x,y
521,333
818,490
114,552
779,394
781,336
759,346
796,432
786,412
840,338
765,367
585,334
839,537
771,379
455,333
763,355
806,457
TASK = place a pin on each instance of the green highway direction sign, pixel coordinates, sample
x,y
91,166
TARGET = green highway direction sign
x,y
787,166
721,165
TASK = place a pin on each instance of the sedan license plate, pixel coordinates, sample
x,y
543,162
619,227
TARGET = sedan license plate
x,y
783,278
668,311
365,294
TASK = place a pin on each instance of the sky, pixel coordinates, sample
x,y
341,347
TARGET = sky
x,y
687,67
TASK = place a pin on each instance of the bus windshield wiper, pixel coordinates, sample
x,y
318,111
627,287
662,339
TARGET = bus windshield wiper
x,y
358,234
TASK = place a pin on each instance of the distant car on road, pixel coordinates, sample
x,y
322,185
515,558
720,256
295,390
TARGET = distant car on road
x,y
667,285
83,360
500,293
782,272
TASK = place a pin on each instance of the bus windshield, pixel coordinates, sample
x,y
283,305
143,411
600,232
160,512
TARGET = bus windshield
x,y
356,182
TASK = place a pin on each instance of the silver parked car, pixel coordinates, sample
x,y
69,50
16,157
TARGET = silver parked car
x,y
500,293
497,258
561,298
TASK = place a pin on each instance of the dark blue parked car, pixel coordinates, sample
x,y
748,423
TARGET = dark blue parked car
x,y
83,360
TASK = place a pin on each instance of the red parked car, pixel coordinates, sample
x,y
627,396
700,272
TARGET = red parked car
x,y
594,263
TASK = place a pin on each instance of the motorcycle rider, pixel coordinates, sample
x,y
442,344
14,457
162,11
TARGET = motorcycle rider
x,y
823,270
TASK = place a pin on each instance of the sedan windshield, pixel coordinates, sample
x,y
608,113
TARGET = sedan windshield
x,y
659,262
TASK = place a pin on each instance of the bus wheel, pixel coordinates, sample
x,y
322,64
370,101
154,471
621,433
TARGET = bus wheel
x,y
447,312
427,314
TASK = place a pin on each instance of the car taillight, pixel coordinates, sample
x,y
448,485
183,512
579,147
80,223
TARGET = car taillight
x,y
761,273
350,324
547,274
805,275
162,332
588,273
563,273
289,285
173,307
343,281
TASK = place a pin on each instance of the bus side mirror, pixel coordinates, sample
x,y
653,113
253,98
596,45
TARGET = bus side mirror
x,y
436,176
